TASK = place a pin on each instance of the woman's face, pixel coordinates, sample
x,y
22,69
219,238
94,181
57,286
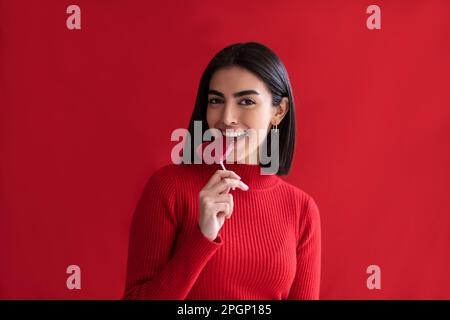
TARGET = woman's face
x,y
238,101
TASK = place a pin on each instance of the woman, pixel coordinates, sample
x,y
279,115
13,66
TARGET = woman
x,y
201,232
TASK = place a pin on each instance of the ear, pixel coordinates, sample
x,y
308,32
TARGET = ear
x,y
281,111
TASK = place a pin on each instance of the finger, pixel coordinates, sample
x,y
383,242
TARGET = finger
x,y
226,191
222,185
221,208
219,175
231,207
224,197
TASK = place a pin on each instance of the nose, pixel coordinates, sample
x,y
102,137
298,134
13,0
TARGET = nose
x,y
229,116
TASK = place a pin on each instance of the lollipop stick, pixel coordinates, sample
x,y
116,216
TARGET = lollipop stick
x,y
223,167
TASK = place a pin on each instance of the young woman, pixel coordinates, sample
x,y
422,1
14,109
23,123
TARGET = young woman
x,y
201,232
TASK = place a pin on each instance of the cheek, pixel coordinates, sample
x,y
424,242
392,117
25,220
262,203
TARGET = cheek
x,y
211,117
259,118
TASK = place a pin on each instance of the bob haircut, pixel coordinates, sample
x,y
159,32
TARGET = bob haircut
x,y
264,63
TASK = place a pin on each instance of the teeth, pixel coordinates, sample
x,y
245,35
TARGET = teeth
x,y
232,134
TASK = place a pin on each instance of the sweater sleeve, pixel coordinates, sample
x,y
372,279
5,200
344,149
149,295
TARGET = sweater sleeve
x,y
153,270
306,285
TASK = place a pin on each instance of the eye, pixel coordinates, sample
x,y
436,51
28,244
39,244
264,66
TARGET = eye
x,y
215,101
247,102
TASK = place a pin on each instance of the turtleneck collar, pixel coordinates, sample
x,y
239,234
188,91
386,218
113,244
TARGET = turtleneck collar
x,y
250,174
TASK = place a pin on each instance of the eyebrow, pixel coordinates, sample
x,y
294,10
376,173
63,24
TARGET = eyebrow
x,y
236,95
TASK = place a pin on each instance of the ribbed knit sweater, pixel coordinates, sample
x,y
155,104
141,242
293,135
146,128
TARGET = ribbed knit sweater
x,y
269,249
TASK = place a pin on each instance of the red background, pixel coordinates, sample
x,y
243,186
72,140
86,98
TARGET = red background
x,y
86,117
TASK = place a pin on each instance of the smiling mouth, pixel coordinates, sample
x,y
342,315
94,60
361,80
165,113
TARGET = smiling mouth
x,y
234,134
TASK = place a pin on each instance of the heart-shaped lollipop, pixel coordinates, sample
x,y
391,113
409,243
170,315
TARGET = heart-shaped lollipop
x,y
218,157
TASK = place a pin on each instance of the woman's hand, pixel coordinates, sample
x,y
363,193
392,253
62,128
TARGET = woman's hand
x,y
215,203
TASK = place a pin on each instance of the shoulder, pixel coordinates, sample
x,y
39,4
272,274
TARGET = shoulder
x,y
307,204
172,175
308,215
295,191
165,173
162,181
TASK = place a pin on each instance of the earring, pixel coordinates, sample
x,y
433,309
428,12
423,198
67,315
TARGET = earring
x,y
275,127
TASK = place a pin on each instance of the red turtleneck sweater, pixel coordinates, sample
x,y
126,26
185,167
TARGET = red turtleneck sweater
x,y
269,249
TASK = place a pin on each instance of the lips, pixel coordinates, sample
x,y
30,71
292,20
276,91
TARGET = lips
x,y
234,133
